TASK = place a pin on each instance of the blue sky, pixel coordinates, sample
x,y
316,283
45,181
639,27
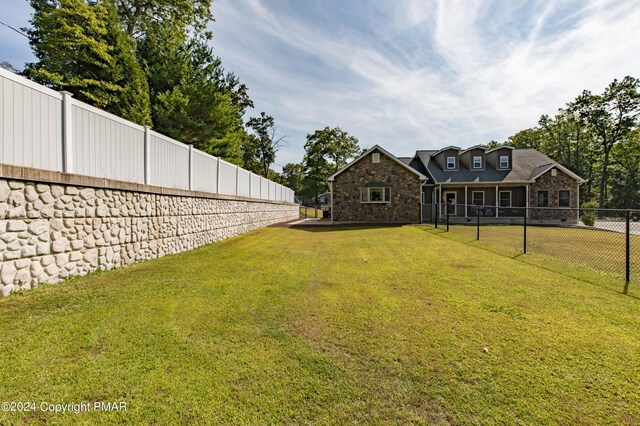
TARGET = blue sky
x,y
409,74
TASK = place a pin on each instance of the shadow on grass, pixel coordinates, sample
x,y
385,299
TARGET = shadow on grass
x,y
341,227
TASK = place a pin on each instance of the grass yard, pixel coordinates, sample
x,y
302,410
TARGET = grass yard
x,y
599,250
294,326
310,212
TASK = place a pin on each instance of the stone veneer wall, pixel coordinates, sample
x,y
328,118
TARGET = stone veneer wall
x,y
553,184
405,192
51,231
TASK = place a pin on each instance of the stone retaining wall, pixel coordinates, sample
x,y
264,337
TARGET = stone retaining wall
x,y
51,231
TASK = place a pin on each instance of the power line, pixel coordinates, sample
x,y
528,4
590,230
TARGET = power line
x,y
14,29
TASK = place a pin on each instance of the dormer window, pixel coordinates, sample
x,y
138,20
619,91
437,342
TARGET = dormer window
x,y
477,162
451,162
504,161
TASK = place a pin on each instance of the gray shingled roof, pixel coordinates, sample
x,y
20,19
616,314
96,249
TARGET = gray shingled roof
x,y
526,163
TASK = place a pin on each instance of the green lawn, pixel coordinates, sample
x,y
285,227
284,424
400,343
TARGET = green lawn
x,y
598,250
385,325
310,212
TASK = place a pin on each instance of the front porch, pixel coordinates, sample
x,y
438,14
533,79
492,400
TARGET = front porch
x,y
470,201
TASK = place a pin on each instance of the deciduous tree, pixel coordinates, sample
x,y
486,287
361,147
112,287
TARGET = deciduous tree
x,y
265,144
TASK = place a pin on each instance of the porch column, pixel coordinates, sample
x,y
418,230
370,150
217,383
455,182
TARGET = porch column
x,y
439,204
497,202
465,201
526,200
331,192
577,203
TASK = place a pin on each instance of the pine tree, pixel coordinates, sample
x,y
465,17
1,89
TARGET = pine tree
x,y
82,48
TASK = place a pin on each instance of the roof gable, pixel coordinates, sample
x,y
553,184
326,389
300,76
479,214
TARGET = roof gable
x,y
382,151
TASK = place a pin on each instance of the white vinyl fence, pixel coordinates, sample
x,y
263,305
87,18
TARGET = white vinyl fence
x,y
49,130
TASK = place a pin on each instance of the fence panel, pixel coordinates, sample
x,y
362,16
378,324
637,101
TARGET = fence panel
x,y
272,191
634,246
585,239
244,182
228,178
264,188
30,123
100,144
255,186
205,172
169,162
105,145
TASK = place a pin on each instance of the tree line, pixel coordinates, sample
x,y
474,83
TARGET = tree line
x,y
151,62
597,136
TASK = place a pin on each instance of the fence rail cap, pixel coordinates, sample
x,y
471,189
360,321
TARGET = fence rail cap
x,y
105,114
30,84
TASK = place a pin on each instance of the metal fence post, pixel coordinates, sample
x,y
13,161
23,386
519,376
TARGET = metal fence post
x,y
628,253
525,231
478,223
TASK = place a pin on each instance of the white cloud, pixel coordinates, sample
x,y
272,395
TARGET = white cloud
x,y
418,74
482,86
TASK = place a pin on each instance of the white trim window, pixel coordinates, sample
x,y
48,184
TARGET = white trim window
x,y
505,198
543,198
375,158
451,163
477,198
504,161
375,194
564,198
477,162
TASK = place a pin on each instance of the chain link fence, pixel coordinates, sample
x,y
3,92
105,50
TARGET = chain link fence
x,y
603,240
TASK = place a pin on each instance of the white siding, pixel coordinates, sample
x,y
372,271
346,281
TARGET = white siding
x,y
105,145
169,162
30,123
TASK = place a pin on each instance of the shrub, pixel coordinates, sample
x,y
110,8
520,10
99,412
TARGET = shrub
x,y
588,217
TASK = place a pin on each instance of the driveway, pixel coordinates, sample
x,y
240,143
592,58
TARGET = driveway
x,y
617,226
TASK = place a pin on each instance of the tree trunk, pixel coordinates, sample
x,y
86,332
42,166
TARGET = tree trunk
x,y
604,177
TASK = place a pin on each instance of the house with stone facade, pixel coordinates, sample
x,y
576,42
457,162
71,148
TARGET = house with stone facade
x,y
503,182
